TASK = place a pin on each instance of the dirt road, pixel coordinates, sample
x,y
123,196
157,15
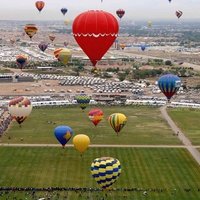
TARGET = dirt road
x,y
194,152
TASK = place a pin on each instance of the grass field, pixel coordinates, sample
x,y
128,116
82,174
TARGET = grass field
x,y
188,121
144,126
172,170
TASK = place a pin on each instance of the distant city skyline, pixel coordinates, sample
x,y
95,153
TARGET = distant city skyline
x,y
135,10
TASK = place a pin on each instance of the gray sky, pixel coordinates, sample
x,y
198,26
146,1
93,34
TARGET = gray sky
x,y
135,9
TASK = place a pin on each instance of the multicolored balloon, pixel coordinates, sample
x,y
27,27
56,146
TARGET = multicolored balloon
x,y
56,52
43,46
21,61
105,171
95,31
120,13
81,143
64,56
122,46
63,134
117,121
169,84
179,13
83,100
20,108
30,30
95,115
65,44
66,22
64,10
39,5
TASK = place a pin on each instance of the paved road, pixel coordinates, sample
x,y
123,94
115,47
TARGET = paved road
x,y
98,145
194,152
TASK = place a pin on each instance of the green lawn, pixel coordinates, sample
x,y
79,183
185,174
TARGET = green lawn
x,y
172,170
188,120
144,126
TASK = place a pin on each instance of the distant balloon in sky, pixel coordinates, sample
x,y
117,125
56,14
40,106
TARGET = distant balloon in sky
x,y
43,46
20,108
170,1
66,22
64,10
65,44
149,23
179,13
105,171
169,84
95,31
63,134
143,47
39,5
30,30
120,13
21,61
81,143
83,100
52,37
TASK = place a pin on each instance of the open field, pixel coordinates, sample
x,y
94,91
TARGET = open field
x,y
144,126
188,121
172,170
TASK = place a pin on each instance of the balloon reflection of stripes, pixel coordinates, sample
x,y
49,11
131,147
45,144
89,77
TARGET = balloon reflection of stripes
x,y
105,171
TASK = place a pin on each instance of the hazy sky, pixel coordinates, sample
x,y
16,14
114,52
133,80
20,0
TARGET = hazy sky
x,y
135,9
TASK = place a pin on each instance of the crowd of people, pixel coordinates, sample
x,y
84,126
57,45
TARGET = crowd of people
x,y
5,120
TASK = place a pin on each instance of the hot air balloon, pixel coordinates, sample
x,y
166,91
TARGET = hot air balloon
x,y
122,46
169,84
95,115
149,24
30,30
65,44
63,134
66,22
52,37
43,46
56,52
169,1
105,171
143,47
64,55
117,121
179,13
95,32
83,100
64,10
39,5
12,41
20,108
120,13
21,60
81,143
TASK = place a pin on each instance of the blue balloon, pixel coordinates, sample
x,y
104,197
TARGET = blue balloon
x,y
63,134
169,84
143,47
64,10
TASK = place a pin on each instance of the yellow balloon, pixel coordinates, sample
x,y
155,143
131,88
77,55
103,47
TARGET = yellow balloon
x,y
81,142
65,55
67,21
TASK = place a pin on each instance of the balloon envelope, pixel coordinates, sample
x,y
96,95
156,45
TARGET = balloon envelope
x,y
83,100
65,55
63,134
169,84
95,115
30,30
21,60
117,121
56,52
52,37
81,142
120,13
43,46
105,171
95,32
39,5
179,13
20,108
64,10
